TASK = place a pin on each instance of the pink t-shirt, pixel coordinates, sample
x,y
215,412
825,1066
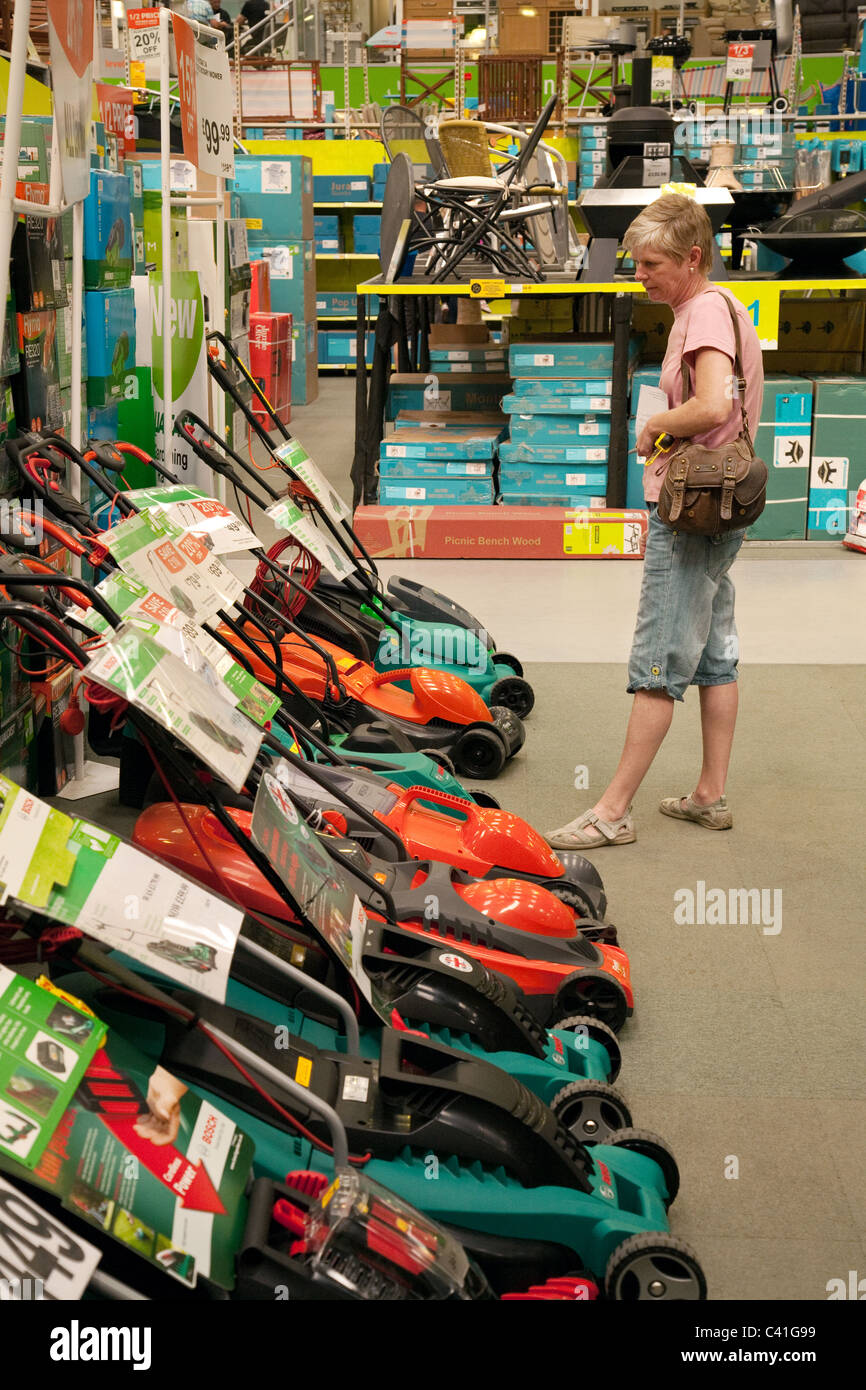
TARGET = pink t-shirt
x,y
704,322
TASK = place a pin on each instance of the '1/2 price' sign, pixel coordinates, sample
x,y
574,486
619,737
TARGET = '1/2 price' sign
x,y
206,101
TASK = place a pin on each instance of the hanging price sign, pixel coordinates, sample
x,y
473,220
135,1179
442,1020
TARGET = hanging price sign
x,y
142,42
70,38
206,101
740,59
662,79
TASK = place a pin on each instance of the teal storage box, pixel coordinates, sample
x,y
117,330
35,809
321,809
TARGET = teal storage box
x,y
511,451
277,217
580,497
541,478
458,391
341,188
557,387
546,359
109,317
559,429
343,303
108,253
326,225
568,408
425,492
339,346
398,468
838,459
455,443
783,440
454,358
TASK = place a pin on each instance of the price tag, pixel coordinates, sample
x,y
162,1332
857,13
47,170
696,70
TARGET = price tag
x,y
40,1258
487,289
740,59
206,102
662,79
142,44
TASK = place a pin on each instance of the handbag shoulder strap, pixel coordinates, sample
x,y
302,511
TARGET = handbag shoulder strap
x,y
738,370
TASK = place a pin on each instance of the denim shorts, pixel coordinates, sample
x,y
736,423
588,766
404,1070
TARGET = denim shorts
x,y
685,632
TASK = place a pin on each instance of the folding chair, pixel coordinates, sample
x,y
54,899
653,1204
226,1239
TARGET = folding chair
x,y
407,131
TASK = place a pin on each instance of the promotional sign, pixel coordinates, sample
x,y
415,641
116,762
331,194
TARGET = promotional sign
x,y
297,458
33,854
662,78
317,884
176,633
70,39
40,1257
188,703
287,516
176,564
189,381
206,101
740,59
190,509
45,1048
170,1189
142,44
116,113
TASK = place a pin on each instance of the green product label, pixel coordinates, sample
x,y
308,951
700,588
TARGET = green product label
x,y
45,1048
33,854
187,319
157,496
154,1166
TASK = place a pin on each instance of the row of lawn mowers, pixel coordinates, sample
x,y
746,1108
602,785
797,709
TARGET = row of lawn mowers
x,y
417,1024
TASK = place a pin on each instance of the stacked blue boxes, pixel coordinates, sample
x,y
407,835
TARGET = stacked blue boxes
x,y
593,155
341,188
423,465
327,233
339,346
366,230
557,452
648,375
380,178
470,358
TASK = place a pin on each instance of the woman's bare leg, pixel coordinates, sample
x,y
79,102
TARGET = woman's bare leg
x,y
648,723
719,705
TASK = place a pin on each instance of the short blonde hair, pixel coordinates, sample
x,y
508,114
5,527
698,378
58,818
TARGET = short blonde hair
x,y
673,224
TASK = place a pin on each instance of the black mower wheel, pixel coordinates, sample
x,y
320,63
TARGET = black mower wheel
x,y
592,992
599,1032
480,752
506,659
482,798
643,1141
514,693
441,759
592,1111
652,1268
573,896
510,727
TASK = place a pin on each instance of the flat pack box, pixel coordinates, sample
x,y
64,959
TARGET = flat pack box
x,y
448,358
18,745
305,362
568,410
545,477
465,442
339,346
554,497
448,419
37,260
398,468
108,252
558,455
557,390
457,492
421,531
459,335
293,275
838,461
341,188
277,216
457,391
783,440
36,388
109,317
560,358
559,429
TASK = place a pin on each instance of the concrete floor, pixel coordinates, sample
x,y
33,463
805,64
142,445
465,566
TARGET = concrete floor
x,y
745,1045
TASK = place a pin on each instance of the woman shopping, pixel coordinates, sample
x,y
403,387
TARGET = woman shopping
x,y
685,632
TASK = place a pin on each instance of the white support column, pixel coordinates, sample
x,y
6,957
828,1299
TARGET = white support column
x,y
12,139
165,171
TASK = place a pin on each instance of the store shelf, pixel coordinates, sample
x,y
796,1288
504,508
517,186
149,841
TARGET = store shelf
x,y
336,366
346,256
336,206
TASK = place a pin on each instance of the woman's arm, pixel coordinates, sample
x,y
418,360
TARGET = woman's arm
x,y
708,408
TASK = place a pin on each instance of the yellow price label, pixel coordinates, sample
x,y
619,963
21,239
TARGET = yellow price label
x,y
136,75
762,304
303,1071
487,289
254,224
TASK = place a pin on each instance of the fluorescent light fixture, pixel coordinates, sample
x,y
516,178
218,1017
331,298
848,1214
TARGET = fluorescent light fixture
x,y
118,9
528,12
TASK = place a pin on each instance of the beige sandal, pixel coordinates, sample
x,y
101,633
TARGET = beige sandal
x,y
715,816
574,835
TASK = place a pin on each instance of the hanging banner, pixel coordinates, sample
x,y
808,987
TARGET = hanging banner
x,y
206,101
116,114
70,39
189,388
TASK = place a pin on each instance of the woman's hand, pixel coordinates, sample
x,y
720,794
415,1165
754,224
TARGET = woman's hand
x,y
646,440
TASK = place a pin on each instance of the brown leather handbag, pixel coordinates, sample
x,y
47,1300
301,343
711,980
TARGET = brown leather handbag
x,y
706,492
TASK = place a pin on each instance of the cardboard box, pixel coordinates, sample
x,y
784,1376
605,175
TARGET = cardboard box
x,y
457,492
558,358
278,216
342,303
467,442
394,468
494,359
37,256
822,327
260,293
555,393
783,441
293,276
55,751
340,346
538,533
546,477
18,750
305,363
341,188
556,497
591,451
557,414
838,460
36,388
458,335
110,327
559,429
457,391
445,419
108,252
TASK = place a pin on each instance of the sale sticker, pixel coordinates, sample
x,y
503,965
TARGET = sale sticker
x,y
740,59
142,45
116,113
206,101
